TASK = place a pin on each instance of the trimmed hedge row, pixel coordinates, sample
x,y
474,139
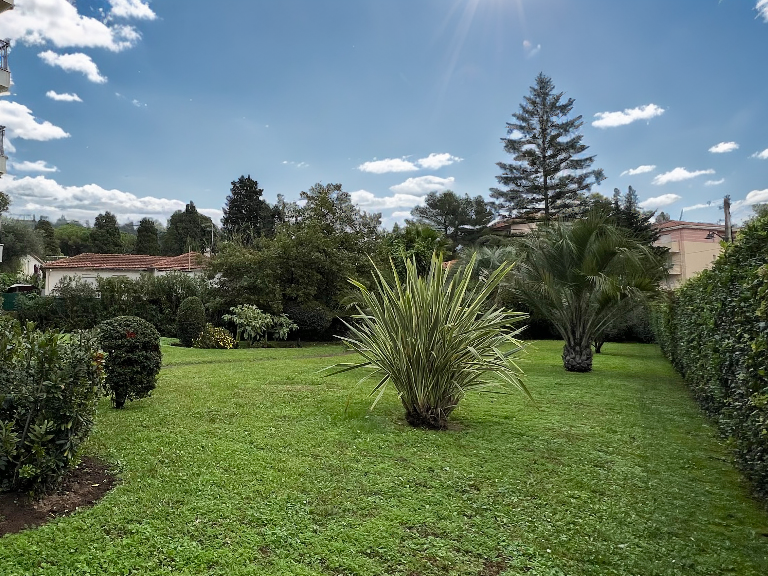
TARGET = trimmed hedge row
x,y
714,329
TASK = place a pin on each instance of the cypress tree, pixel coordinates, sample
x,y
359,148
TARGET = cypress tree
x,y
105,235
547,173
146,238
246,215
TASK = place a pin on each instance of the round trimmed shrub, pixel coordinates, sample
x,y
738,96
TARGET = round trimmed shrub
x,y
133,358
313,320
190,320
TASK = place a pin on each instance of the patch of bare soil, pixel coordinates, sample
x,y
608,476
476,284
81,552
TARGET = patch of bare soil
x,y
82,487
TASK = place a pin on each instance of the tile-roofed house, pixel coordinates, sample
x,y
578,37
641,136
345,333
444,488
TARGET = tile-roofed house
x,y
90,266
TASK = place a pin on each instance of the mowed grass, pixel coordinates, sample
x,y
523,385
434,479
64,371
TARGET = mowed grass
x,y
245,462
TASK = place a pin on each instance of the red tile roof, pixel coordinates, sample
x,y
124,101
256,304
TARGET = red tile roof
x,y
189,261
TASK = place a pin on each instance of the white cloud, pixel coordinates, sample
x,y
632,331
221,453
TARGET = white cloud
x,y
724,147
131,9
77,62
38,166
423,185
530,49
435,161
66,97
678,175
388,165
761,155
659,201
762,9
629,115
42,195
37,22
214,214
369,201
19,122
697,207
295,164
639,170
714,182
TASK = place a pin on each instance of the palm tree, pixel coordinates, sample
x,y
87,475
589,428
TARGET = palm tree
x,y
579,275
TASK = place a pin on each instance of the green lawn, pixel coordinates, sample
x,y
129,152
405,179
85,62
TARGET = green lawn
x,y
244,462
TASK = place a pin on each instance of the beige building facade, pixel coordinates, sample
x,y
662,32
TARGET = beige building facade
x,y
693,247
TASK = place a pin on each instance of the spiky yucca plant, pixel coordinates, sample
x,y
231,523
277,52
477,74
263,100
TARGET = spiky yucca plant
x,y
433,339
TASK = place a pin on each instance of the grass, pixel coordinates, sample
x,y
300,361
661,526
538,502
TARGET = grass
x,y
244,462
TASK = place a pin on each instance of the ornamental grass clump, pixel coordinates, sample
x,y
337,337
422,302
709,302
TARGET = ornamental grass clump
x,y
433,338
133,358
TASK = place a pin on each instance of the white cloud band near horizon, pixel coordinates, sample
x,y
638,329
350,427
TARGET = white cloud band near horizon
x,y
57,22
75,62
43,195
639,170
679,175
627,116
369,201
65,97
659,201
724,147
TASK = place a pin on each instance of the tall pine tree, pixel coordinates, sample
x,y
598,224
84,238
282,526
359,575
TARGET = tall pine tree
x,y
547,173
246,215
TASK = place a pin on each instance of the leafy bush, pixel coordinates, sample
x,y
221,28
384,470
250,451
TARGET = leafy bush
x,y
49,388
256,326
133,358
81,307
433,339
715,331
312,320
214,338
190,320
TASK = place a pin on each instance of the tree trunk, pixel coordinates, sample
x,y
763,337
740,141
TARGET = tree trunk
x,y
577,357
598,346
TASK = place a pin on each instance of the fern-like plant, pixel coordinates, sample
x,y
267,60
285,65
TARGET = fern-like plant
x,y
433,338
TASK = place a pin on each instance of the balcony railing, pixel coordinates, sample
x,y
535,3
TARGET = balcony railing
x,y
4,45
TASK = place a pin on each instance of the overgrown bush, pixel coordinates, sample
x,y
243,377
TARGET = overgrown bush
x,y
133,358
715,331
214,338
49,388
255,325
190,320
434,339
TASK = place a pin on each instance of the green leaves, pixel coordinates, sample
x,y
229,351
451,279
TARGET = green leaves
x,y
433,340
256,325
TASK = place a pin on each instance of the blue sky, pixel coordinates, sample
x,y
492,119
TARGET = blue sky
x,y
138,106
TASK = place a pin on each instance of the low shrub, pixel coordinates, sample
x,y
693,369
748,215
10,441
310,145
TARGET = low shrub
x,y
49,389
190,320
133,358
312,320
214,338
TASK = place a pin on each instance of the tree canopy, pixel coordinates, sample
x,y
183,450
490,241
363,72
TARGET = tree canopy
x,y
457,218
547,172
187,230
247,215
147,238
105,235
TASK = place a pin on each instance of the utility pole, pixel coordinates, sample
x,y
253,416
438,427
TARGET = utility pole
x,y
727,210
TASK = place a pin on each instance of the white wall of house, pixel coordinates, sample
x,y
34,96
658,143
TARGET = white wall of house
x,y
54,275
28,264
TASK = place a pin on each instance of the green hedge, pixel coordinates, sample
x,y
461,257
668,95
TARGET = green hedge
x,y
714,329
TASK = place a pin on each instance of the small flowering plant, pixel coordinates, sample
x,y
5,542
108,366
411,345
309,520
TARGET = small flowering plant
x,y
214,338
